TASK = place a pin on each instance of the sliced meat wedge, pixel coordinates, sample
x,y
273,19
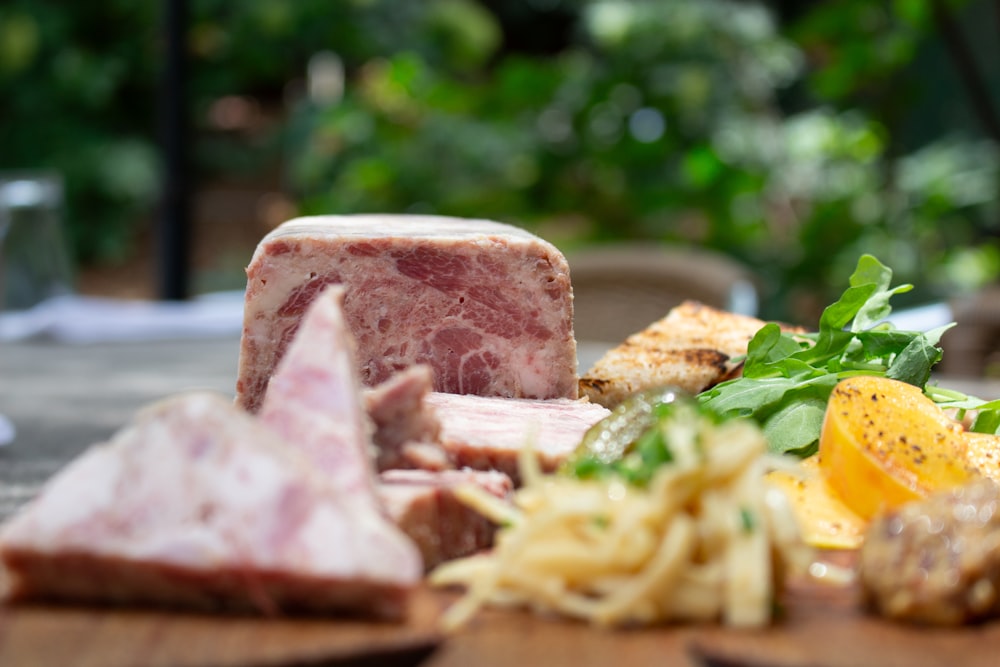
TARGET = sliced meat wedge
x,y
425,505
314,399
196,505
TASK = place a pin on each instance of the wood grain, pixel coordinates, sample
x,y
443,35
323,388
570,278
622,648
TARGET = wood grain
x,y
820,626
45,636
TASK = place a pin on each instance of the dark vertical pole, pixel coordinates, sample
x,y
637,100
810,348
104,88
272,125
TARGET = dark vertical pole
x,y
174,224
976,85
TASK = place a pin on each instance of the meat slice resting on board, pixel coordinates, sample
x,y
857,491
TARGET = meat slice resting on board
x,y
196,505
424,504
487,306
488,433
416,428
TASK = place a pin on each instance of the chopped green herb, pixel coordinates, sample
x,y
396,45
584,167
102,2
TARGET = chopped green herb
x,y
747,520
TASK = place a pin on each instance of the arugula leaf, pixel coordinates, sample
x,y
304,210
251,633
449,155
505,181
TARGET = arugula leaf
x,y
788,376
768,353
913,364
987,421
876,308
790,429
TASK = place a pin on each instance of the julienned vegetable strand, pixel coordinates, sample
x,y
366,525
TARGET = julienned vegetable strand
x,y
701,538
788,377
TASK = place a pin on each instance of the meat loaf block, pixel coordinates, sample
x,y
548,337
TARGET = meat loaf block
x,y
487,306
196,505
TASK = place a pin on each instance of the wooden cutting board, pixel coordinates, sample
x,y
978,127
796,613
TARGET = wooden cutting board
x,y
50,636
820,627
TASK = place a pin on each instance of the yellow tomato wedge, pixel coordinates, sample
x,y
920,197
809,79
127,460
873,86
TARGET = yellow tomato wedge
x,y
884,443
825,522
983,454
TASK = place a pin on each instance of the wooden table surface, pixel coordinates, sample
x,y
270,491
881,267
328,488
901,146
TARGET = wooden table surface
x,y
819,628
63,398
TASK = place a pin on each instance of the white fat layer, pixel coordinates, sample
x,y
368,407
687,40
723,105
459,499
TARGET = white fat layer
x,y
442,228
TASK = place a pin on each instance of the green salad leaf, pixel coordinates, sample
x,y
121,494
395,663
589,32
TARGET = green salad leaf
x,y
788,376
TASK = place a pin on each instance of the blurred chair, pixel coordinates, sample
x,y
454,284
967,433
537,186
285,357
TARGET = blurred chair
x,y
622,288
972,346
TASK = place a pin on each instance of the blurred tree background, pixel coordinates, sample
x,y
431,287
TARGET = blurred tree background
x,y
790,135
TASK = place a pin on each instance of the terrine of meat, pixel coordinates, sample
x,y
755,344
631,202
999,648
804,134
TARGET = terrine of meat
x,y
487,306
196,505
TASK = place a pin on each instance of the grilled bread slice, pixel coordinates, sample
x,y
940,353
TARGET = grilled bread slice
x,y
694,347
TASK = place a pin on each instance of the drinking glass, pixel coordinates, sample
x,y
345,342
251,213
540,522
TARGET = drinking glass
x,y
34,257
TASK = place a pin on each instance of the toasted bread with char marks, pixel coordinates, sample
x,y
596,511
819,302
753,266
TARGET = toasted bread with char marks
x,y
694,347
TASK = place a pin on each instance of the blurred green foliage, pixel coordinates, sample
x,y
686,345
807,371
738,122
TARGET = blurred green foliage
x,y
79,85
787,140
74,97
691,122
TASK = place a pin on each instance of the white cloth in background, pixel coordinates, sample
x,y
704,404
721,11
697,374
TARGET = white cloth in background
x,y
7,431
922,318
83,319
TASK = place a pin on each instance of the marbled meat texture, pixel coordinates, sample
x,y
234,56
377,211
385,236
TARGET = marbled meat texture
x,y
314,402
488,433
425,506
196,505
487,305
